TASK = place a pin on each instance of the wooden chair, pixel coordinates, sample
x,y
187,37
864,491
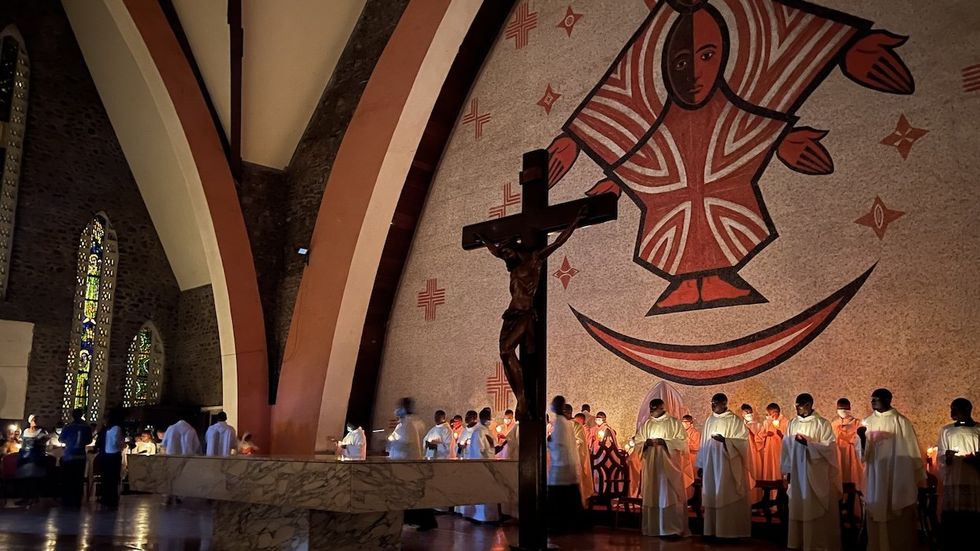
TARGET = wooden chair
x,y
927,511
611,474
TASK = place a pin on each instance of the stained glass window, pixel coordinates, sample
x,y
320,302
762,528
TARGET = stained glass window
x,y
87,360
144,368
14,77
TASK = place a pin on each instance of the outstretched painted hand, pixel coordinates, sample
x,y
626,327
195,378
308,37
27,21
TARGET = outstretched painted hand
x,y
561,156
604,186
802,151
872,62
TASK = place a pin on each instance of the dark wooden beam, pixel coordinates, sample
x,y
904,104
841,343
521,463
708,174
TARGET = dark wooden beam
x,y
236,43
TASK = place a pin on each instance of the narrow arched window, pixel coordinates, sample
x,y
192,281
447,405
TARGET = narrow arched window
x,y
89,346
14,73
144,368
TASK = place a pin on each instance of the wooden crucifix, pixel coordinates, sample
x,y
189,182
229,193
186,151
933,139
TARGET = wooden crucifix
x,y
521,240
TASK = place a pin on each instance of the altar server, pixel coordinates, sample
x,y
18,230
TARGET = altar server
x,y
959,445
809,461
773,428
481,447
757,441
405,442
564,497
439,438
845,431
585,481
181,439
893,472
693,437
723,458
662,443
220,438
602,433
354,444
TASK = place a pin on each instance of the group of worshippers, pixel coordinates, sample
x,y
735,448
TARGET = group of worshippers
x,y
816,459
79,449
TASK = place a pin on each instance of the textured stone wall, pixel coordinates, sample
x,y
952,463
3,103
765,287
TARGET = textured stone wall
x,y
280,209
901,196
73,167
193,377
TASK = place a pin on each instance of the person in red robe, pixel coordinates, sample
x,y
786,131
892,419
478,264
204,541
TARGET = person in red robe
x,y
691,112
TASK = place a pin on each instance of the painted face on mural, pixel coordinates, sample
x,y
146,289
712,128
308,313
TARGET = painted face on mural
x,y
693,57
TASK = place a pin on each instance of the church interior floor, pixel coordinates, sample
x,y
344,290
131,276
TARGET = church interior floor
x,y
145,522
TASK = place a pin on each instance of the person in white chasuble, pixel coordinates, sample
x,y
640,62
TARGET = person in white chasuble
x,y
893,472
809,463
220,438
723,460
959,464
353,445
564,497
405,442
439,439
181,439
851,469
662,445
481,447
585,479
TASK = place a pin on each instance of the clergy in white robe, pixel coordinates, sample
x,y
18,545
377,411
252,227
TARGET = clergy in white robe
x,y
662,443
809,459
564,497
586,484
893,472
723,459
958,454
481,447
439,438
220,439
181,439
353,445
405,442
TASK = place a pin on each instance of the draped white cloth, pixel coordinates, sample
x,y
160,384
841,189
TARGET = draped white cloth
x,y
815,484
481,447
354,444
961,481
442,436
894,469
181,439
405,442
664,484
563,454
220,440
725,477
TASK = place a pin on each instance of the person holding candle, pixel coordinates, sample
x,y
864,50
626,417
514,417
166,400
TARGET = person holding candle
x,y
772,442
602,433
585,479
456,425
662,445
354,444
723,460
893,470
439,438
757,441
959,466
852,470
809,462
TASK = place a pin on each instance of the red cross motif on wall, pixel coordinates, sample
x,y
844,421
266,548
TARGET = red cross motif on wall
x,y
520,26
431,297
510,199
476,118
499,389
971,78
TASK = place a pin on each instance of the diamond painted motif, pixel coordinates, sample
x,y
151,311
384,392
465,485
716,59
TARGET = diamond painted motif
x,y
879,217
904,137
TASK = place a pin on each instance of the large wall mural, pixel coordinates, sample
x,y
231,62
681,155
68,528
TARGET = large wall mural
x,y
797,193
684,122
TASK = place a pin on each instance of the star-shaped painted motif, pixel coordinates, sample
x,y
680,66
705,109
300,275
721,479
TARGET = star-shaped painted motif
x,y
879,217
565,273
548,99
568,22
904,136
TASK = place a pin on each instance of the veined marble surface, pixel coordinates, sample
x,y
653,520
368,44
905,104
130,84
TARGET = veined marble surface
x,y
326,484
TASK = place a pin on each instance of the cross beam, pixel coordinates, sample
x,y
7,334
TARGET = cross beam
x,y
532,226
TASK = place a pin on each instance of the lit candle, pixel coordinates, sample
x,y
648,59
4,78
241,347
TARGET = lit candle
x,y
602,434
500,429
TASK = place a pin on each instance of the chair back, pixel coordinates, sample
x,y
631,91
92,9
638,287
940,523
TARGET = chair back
x,y
610,471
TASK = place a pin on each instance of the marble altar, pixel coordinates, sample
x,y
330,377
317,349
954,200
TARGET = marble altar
x,y
319,502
